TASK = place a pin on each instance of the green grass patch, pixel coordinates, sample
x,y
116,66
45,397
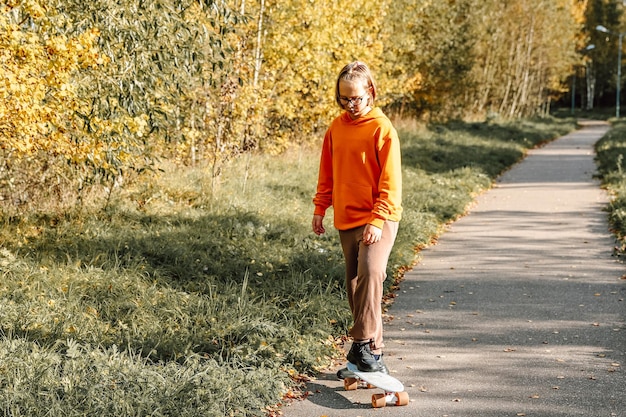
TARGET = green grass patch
x,y
610,155
190,297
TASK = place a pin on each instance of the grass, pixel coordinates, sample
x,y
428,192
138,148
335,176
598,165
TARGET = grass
x,y
183,299
610,152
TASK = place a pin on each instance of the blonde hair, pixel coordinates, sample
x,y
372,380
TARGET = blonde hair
x,y
357,70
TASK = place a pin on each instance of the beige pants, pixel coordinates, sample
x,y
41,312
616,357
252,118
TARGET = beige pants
x,y
366,270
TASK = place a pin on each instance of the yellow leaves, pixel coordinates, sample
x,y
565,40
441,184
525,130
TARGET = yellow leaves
x,y
90,311
302,56
33,9
38,88
57,45
579,8
87,52
24,89
138,125
191,134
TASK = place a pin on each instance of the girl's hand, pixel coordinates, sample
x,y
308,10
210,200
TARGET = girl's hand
x,y
371,234
317,224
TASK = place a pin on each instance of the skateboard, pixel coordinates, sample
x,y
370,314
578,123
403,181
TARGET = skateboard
x,y
393,389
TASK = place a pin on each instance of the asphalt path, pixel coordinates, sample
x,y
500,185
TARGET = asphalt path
x,y
518,310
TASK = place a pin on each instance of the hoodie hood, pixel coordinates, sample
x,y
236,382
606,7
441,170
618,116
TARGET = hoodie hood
x,y
374,113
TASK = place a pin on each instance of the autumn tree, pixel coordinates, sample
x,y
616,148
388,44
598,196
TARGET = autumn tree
x,y
172,62
304,45
430,54
95,91
40,131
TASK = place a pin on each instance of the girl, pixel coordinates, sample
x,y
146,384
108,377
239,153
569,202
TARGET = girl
x,y
360,176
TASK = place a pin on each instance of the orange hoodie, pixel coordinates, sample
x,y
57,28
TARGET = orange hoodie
x,y
360,171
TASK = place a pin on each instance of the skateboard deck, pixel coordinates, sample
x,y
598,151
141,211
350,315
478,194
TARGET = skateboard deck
x,y
394,389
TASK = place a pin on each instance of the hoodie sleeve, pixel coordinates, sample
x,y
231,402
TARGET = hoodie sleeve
x,y
324,195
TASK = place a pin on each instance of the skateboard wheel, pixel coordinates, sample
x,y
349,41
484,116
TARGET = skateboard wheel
x,y
379,400
350,384
402,398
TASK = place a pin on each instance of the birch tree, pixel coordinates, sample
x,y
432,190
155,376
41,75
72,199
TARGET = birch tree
x,y
524,57
602,63
303,45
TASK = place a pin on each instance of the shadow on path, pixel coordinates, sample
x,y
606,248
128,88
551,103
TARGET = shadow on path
x,y
519,310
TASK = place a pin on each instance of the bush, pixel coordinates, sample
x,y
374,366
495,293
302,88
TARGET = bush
x,y
610,152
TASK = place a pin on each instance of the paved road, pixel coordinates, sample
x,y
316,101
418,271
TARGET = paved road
x,y
519,310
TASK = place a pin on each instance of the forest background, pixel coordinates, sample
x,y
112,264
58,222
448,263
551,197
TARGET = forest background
x,y
96,92
157,158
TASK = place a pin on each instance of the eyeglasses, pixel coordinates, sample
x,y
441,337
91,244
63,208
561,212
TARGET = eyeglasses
x,y
352,100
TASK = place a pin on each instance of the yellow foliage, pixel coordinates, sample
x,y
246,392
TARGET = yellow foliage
x,y
579,8
38,97
215,84
304,46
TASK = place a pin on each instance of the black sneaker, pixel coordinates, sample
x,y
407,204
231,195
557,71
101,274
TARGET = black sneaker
x,y
383,367
344,373
361,355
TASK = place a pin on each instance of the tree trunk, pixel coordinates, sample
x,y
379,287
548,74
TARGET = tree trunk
x,y
590,78
258,55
